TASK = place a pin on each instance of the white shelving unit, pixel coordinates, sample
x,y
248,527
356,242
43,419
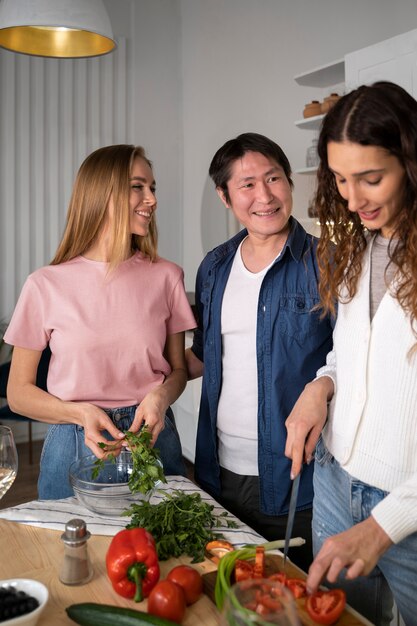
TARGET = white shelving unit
x,y
326,78
310,123
306,170
324,75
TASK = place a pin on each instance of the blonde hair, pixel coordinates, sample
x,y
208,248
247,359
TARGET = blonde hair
x,y
105,173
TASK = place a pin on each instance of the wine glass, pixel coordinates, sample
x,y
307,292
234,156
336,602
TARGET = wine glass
x,y
8,459
259,602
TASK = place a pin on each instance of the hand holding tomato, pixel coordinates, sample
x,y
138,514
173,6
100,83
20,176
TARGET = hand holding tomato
x,y
167,600
189,579
358,549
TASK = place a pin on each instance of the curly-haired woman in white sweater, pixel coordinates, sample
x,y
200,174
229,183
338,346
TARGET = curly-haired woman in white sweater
x,y
365,483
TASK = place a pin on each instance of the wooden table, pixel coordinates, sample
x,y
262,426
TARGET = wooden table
x,y
33,552
30,552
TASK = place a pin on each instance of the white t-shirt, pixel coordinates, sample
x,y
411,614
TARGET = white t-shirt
x,y
237,414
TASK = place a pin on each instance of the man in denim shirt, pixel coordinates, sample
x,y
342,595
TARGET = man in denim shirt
x,y
258,342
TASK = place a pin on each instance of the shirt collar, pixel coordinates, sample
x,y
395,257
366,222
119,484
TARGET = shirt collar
x,y
295,240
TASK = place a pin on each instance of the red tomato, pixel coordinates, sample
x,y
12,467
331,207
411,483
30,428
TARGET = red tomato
x,y
325,607
297,586
269,603
243,570
189,579
167,600
263,604
279,576
259,565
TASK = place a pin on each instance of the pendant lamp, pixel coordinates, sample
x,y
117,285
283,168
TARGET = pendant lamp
x,y
56,28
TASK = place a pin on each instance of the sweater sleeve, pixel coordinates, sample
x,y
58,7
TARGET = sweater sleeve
x,y
329,369
397,513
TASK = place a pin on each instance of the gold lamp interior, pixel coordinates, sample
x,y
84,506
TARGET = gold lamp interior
x,y
55,28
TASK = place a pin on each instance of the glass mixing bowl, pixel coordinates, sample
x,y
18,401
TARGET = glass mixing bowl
x,y
108,493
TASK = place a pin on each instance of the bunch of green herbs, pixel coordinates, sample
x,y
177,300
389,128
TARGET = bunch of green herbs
x,y
182,523
147,467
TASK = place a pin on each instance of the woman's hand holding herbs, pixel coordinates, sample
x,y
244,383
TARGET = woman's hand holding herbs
x,y
95,422
147,467
151,413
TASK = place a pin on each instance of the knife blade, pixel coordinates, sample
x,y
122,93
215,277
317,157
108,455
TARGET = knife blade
x,y
291,515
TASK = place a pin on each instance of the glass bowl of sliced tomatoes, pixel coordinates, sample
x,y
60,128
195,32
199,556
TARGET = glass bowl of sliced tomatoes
x,y
259,602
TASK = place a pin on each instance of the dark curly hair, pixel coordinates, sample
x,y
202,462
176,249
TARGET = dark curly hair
x,y
383,115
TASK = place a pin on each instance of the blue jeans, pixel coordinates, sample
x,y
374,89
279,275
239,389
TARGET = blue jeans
x,y
64,443
340,501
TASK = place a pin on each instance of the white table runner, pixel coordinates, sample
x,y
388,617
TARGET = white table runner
x,y
54,514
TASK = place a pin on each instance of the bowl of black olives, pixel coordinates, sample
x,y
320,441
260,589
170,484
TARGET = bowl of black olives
x,y
22,601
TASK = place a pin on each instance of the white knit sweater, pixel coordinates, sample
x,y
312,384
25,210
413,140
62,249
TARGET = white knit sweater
x,y
372,426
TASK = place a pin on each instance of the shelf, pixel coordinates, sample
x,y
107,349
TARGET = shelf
x,y
310,123
323,76
306,170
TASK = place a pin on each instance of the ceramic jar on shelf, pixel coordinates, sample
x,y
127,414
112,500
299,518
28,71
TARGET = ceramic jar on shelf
x,y
312,108
328,102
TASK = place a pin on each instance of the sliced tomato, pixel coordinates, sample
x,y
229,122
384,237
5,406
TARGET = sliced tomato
x,y
297,586
264,605
269,603
259,566
325,607
262,610
243,570
279,577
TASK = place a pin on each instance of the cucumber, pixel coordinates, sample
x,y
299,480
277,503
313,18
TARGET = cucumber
x,y
92,614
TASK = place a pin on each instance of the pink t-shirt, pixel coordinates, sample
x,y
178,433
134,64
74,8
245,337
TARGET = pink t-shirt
x,y
106,332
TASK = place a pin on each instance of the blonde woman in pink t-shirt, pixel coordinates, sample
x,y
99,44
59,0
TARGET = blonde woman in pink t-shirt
x,y
113,314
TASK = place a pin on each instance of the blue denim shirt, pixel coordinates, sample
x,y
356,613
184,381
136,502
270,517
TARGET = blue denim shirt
x,y
291,342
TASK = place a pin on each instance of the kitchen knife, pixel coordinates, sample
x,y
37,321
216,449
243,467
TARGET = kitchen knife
x,y
291,514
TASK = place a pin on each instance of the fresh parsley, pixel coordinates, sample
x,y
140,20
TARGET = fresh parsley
x,y
147,466
182,523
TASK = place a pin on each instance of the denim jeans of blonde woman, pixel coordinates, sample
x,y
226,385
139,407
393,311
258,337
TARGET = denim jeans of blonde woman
x,y
64,443
341,501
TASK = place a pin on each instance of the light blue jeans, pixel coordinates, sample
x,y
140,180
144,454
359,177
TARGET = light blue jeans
x,y
64,443
341,501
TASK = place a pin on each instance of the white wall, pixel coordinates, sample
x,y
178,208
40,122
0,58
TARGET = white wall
x,y
153,29
239,58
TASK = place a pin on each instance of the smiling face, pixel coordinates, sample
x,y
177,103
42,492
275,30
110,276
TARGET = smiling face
x,y
142,198
259,195
371,180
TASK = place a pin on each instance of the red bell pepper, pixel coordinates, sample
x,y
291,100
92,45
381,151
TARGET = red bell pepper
x,y
132,563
